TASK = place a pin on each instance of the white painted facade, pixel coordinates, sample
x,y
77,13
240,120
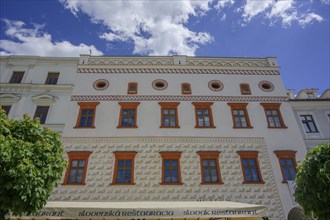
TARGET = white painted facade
x,y
307,103
24,97
148,139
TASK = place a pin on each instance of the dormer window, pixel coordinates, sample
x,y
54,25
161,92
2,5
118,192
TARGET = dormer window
x,y
310,95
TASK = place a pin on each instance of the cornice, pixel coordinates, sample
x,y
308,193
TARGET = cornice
x,y
24,87
149,139
125,70
178,98
170,61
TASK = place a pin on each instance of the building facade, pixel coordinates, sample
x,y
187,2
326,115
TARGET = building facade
x,y
312,113
38,86
163,128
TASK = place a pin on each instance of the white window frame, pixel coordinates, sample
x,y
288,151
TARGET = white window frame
x,y
317,135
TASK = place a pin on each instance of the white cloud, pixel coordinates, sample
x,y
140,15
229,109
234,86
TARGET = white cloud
x,y
326,1
309,18
224,3
155,27
285,11
33,41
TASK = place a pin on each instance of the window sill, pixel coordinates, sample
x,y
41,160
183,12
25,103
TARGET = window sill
x,y
284,127
171,184
122,184
243,127
169,127
73,184
126,127
217,183
262,182
205,127
83,127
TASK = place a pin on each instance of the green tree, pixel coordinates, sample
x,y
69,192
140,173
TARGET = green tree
x,y
313,182
31,165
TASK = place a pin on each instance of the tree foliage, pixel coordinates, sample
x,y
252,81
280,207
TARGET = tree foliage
x,y
31,165
313,182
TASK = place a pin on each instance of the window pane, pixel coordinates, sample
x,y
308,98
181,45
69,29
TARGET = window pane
x,y
74,163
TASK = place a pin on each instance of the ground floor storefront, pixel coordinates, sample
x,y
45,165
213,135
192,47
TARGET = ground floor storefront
x,y
150,210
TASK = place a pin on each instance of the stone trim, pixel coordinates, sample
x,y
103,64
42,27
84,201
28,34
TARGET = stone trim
x,y
171,139
176,71
178,98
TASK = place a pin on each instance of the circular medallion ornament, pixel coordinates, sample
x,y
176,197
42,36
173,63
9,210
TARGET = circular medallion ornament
x,y
101,84
159,84
266,86
216,85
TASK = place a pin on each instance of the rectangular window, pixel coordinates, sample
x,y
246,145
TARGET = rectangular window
x,y
52,78
203,114
6,108
17,77
41,113
240,115
308,123
287,161
171,168
76,171
124,168
210,168
132,88
185,88
127,118
245,89
250,167
169,114
86,116
273,115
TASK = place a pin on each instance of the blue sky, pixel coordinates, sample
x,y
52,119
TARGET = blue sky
x,y
294,31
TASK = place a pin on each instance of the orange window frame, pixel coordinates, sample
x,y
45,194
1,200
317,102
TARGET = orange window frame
x,y
88,106
240,106
124,155
187,85
135,91
169,106
250,155
203,106
126,106
276,107
77,155
286,154
245,89
171,156
210,155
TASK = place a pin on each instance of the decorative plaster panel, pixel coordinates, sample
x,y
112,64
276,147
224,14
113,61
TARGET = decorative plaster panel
x,y
178,98
148,166
177,71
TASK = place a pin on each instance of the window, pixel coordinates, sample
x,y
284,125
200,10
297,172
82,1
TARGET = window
x,y
6,108
203,114
250,167
310,95
132,88
124,168
328,114
308,123
52,78
86,117
240,115
41,113
169,114
245,89
287,161
185,88
17,77
127,118
210,169
76,171
171,168
273,115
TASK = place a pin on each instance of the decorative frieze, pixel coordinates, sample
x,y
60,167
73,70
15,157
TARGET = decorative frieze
x,y
176,71
178,98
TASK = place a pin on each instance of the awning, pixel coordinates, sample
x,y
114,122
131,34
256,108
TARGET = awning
x,y
149,210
